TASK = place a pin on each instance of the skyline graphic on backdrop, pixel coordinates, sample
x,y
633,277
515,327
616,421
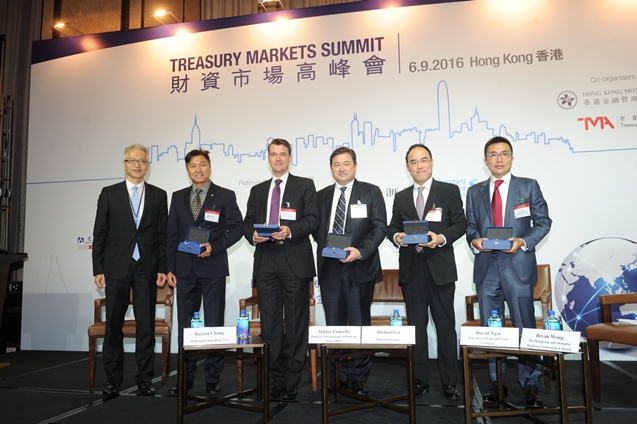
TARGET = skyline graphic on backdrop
x,y
363,133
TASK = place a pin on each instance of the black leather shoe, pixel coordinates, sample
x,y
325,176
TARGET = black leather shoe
x,y
450,392
111,389
276,391
359,388
146,388
173,391
289,393
212,389
421,388
491,396
331,388
532,397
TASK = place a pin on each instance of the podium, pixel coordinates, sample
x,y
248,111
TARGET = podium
x,y
9,262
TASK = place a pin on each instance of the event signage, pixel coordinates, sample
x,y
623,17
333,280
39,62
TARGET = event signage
x,y
335,334
490,336
389,335
204,336
550,340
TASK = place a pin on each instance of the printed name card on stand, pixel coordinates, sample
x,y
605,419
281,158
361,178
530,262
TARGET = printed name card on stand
x,y
389,335
333,334
490,336
204,336
550,340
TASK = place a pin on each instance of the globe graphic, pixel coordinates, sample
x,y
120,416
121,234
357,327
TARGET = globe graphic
x,y
601,266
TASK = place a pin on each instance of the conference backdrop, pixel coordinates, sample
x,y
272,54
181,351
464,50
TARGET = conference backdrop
x,y
557,78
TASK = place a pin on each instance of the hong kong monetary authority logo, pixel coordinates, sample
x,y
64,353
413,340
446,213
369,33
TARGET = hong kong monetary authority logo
x,y
567,100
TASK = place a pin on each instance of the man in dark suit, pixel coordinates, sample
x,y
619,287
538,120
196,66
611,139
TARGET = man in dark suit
x,y
129,252
507,275
283,266
357,209
208,206
428,271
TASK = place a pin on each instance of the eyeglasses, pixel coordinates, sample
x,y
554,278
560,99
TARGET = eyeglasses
x,y
495,156
142,162
424,161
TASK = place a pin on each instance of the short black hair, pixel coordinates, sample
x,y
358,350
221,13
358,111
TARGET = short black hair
x,y
496,140
413,146
341,151
197,152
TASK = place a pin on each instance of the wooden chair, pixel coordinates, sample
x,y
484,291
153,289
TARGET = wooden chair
x,y
608,331
163,328
541,294
388,291
251,305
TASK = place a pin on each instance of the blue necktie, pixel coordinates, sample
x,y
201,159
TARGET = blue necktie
x,y
135,204
339,215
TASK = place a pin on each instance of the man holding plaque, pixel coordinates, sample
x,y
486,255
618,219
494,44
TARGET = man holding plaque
x,y
129,253
428,270
507,201
209,214
355,212
283,266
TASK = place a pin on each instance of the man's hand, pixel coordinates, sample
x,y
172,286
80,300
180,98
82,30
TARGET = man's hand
x,y
172,280
161,279
477,244
100,281
354,255
206,252
258,238
282,234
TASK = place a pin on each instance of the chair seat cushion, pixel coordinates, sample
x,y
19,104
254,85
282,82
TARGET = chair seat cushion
x,y
613,332
130,329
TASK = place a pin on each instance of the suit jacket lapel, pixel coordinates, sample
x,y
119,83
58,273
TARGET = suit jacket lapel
x,y
126,200
512,197
485,195
431,199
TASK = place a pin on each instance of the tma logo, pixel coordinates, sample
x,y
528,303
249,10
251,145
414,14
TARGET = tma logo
x,y
602,121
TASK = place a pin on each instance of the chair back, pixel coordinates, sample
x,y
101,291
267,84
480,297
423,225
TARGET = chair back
x,y
388,290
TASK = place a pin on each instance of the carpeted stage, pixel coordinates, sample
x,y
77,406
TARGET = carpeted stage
x,y
52,388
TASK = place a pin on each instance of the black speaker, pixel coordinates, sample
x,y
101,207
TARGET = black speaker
x,y
11,330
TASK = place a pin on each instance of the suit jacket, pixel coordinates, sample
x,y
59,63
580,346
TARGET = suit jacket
x,y
532,228
115,235
367,233
299,194
223,234
441,260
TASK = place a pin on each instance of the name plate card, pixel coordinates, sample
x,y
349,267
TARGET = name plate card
x,y
550,340
389,335
333,334
490,336
204,336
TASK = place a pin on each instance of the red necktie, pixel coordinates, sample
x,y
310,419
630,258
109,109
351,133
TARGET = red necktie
x,y
496,204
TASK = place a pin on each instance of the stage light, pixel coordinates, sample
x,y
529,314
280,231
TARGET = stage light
x,y
162,13
60,25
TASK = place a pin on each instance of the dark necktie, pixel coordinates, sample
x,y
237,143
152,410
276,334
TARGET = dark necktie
x,y
339,215
195,206
420,209
275,203
496,204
